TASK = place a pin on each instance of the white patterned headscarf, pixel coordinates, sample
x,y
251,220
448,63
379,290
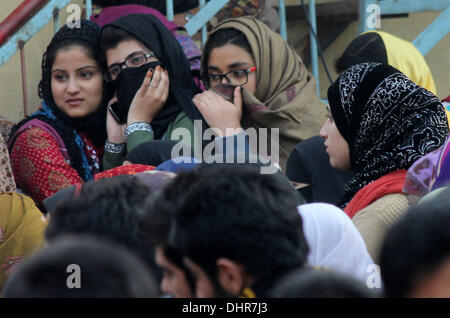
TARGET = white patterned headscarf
x,y
387,120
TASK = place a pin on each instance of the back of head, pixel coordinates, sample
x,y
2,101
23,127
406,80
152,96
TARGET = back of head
x,y
313,283
368,47
107,208
82,266
388,121
233,211
416,246
385,48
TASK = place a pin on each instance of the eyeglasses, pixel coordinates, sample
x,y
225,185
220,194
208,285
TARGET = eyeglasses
x,y
233,78
134,60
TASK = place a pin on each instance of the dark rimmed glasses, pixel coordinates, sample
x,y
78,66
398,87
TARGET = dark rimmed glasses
x,y
233,78
136,59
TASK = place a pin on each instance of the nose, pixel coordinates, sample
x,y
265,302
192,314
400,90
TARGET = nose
x,y
324,130
165,289
73,86
226,79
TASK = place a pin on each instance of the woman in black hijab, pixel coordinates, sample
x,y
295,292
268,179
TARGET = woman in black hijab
x,y
380,123
147,108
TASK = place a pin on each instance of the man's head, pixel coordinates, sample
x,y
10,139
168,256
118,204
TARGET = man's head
x,y
415,258
154,227
236,227
82,266
108,208
319,283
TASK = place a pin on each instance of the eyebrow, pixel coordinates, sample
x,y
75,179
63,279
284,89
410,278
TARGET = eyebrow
x,y
126,58
237,64
78,69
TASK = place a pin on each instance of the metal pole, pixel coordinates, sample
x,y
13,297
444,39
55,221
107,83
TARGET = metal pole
x,y
314,54
88,9
169,10
202,4
434,33
56,23
282,13
24,78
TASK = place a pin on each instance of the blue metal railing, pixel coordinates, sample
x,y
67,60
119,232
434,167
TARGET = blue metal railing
x,y
27,31
434,33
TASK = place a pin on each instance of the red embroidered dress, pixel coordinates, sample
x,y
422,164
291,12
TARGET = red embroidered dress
x,y
40,168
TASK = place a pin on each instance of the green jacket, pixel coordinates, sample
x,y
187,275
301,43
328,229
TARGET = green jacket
x,y
112,160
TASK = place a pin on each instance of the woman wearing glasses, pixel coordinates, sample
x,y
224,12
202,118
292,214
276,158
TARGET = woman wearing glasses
x,y
154,87
247,63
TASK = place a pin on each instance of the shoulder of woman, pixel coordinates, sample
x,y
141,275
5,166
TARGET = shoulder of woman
x,y
35,138
387,209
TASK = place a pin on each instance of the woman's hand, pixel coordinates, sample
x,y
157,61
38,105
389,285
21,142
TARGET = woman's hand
x,y
221,115
151,96
116,132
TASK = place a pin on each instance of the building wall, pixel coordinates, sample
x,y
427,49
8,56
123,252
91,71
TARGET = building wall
x,y
438,58
11,101
11,97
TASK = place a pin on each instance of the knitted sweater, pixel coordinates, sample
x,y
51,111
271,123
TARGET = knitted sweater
x,y
375,220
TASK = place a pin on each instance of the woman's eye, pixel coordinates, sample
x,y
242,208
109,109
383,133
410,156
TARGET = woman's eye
x,y
214,77
86,74
167,273
60,77
137,60
238,74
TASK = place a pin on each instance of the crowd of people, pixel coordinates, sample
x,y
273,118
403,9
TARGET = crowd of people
x,y
140,170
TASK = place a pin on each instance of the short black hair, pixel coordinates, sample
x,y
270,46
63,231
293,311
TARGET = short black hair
x,y
234,211
107,208
105,270
318,283
416,245
154,227
368,47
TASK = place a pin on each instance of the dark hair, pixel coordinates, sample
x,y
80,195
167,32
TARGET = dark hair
x,y
106,270
368,47
221,38
107,208
154,227
112,36
233,211
313,283
416,245
94,125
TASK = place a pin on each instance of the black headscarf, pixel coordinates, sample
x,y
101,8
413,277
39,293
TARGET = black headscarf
x,y
388,121
310,164
368,47
154,35
94,125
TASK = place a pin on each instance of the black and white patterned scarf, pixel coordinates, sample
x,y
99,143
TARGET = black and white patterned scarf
x,y
388,121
